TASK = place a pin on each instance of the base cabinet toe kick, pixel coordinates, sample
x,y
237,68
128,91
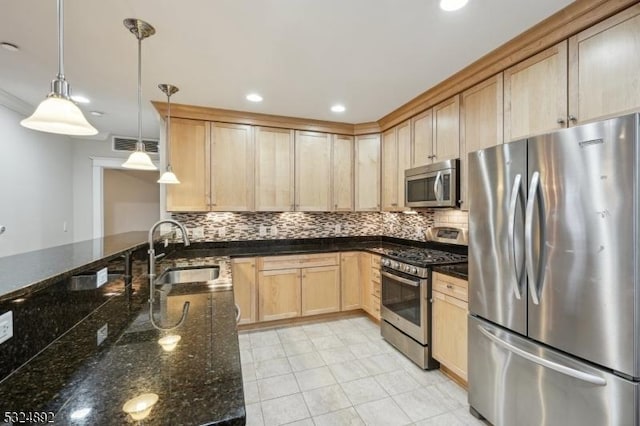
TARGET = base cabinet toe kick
x,y
516,381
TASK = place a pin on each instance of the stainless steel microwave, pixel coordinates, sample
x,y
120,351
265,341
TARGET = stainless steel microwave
x,y
433,185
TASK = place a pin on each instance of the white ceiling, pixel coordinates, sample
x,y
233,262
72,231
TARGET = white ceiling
x,y
301,55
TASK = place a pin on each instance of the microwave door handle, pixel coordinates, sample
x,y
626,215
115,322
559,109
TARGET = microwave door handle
x,y
436,187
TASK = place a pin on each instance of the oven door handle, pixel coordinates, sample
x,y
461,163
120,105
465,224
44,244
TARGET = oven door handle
x,y
400,279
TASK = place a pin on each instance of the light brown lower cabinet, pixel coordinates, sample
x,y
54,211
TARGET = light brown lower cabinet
x,y
279,294
320,290
350,280
244,288
449,323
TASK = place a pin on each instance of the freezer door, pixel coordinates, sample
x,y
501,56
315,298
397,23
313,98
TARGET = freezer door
x,y
497,195
514,381
580,242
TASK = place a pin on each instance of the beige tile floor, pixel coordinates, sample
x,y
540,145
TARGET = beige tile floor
x,y
342,372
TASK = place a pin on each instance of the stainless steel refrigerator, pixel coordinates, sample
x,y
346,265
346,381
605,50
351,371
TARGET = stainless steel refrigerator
x,y
554,291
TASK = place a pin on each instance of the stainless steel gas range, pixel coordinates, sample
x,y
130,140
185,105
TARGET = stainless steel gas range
x,y
406,294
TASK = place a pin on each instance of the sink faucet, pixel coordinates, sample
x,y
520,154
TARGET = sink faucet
x,y
152,272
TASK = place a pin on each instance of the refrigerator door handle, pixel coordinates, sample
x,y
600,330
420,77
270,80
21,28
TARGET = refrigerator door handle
x,y
437,186
563,369
515,194
528,237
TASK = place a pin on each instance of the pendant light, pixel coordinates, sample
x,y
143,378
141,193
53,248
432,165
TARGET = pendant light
x,y
58,113
168,177
139,159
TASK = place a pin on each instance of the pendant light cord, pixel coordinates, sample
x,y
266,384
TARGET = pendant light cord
x,y
61,39
140,144
169,132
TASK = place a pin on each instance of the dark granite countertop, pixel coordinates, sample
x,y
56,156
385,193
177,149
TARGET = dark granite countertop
x,y
27,272
199,382
458,270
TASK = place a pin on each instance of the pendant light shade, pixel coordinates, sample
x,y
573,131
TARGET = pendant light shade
x,y
139,159
168,177
58,113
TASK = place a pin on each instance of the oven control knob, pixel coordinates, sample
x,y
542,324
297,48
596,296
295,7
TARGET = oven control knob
x,y
414,270
394,265
407,268
385,262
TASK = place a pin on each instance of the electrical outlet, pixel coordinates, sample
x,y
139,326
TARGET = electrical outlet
x,y
102,276
222,231
338,228
6,326
102,334
197,232
274,230
262,230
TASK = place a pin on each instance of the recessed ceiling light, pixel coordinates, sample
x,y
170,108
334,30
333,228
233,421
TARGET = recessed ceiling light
x,y
80,99
97,113
451,5
9,46
254,97
338,108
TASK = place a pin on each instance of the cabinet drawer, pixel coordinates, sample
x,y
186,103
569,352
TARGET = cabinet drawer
x,y
451,286
298,261
376,290
375,275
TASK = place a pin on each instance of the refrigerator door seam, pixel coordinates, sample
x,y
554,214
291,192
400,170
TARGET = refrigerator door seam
x,y
568,371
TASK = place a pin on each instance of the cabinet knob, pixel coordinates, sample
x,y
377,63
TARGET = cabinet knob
x,y
449,286
394,204
560,121
573,118
431,300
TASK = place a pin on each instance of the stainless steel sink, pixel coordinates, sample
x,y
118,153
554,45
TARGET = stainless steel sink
x,y
189,274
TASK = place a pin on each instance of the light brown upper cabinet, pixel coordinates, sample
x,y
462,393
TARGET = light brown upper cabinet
x,y
396,157
190,162
342,178
232,167
535,94
446,129
604,68
313,171
422,139
274,172
367,172
481,121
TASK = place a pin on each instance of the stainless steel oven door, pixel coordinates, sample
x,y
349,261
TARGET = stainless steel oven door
x,y
404,303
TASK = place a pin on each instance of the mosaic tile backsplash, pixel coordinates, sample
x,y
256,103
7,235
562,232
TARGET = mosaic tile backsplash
x,y
230,226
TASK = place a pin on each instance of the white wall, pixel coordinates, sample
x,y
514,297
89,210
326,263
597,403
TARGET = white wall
x,y
131,200
36,187
83,150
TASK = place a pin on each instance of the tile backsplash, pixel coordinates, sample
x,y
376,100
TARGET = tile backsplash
x,y
231,226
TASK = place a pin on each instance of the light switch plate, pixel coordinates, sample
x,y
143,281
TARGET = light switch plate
x,y
6,326
338,228
197,232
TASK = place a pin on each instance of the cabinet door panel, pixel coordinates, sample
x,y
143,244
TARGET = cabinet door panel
x,y
422,139
343,186
446,129
274,169
403,136
350,280
313,171
450,333
368,173
604,63
232,166
535,94
279,294
190,162
320,290
389,170
244,288
481,124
